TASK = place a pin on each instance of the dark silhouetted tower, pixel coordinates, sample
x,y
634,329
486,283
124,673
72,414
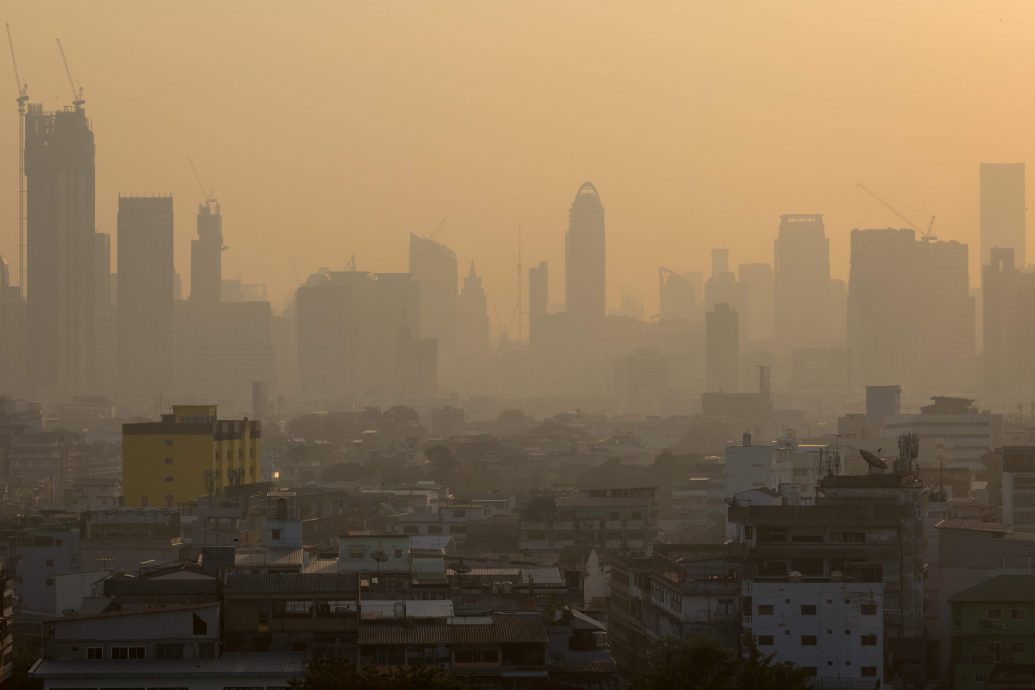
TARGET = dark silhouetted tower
x,y
206,256
585,279
1002,210
59,169
145,295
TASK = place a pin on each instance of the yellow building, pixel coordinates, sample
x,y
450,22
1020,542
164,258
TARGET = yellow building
x,y
190,453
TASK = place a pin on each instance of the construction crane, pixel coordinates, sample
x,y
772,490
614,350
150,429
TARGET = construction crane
x,y
208,198
434,233
927,235
23,98
77,90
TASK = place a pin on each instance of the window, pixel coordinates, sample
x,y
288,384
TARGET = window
x,y
612,516
765,609
50,582
749,532
868,640
868,671
168,479
50,562
168,461
1017,614
434,529
168,651
459,512
475,656
810,671
275,534
808,609
636,516
994,614
297,606
207,650
95,652
1018,647
808,641
168,442
868,609
127,652
765,640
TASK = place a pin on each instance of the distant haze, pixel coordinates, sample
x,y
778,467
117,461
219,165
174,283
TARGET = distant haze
x,y
336,128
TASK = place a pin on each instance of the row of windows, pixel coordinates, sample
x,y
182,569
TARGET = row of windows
x,y
864,609
864,671
997,614
812,640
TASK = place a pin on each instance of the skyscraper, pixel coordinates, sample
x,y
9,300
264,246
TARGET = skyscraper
x,y
883,334
721,286
946,315
585,279
472,338
145,295
538,298
1002,210
206,255
12,335
1008,295
722,349
676,296
433,266
801,281
755,301
59,170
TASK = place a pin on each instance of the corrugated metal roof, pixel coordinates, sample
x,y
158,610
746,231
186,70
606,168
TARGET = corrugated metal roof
x,y
267,557
410,608
134,586
505,628
289,583
598,666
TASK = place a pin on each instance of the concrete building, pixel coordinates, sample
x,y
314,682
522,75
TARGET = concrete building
x,y
190,453
538,299
221,350
1002,210
883,337
1018,488
60,234
721,286
755,287
677,298
992,633
206,255
45,551
610,520
801,279
145,299
472,338
641,383
945,321
722,349
830,627
1008,298
585,281
12,334
953,432
358,338
433,266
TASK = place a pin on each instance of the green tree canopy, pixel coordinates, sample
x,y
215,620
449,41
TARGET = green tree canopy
x,y
703,664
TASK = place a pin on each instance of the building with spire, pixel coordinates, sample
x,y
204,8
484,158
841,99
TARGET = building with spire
x,y
472,318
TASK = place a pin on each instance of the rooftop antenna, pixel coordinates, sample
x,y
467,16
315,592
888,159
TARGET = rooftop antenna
x,y
23,98
77,89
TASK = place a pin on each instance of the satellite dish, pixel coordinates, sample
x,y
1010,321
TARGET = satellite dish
x,y
872,459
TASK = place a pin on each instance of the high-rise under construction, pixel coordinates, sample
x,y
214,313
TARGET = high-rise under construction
x,y
59,169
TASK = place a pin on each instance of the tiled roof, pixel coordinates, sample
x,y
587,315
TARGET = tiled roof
x,y
500,628
598,666
289,583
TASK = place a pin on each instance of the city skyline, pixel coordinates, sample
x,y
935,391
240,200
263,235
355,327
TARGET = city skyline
x,y
727,191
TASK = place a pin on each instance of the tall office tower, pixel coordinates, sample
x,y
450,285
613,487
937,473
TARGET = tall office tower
x,y
677,298
206,255
12,335
358,338
801,281
755,292
59,171
433,266
945,318
722,349
585,278
102,270
538,299
145,296
721,287
882,307
472,338
1007,329
1002,211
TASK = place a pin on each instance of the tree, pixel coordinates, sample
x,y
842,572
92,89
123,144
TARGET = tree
x,y
703,664
442,463
338,675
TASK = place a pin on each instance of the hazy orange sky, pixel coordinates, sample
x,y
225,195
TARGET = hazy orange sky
x,y
332,128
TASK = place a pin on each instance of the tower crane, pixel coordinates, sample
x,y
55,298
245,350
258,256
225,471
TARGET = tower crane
x,y
927,235
434,233
209,197
23,98
77,89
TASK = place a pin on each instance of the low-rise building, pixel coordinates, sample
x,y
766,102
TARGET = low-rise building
x,y
834,629
992,626
610,520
